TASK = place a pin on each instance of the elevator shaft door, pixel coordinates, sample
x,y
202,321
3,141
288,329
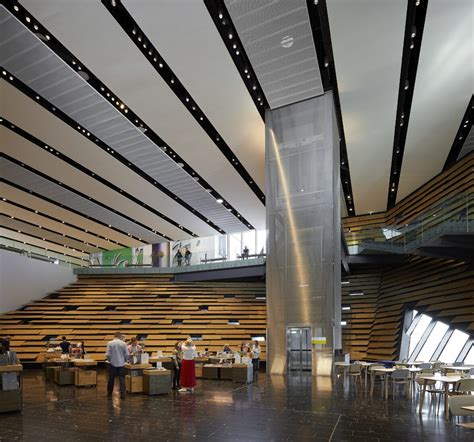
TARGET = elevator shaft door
x,y
298,344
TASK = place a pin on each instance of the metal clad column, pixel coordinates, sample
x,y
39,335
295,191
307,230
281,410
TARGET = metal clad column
x,y
303,218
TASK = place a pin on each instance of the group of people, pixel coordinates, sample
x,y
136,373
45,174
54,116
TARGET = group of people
x,y
187,257
75,350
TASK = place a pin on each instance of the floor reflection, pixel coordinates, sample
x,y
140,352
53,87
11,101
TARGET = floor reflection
x,y
297,407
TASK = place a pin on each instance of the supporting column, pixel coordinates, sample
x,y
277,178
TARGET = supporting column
x,y
303,218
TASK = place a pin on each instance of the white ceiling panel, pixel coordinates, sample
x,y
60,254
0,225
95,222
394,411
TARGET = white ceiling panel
x,y
367,38
58,171
26,239
57,226
107,51
443,88
33,202
185,35
33,118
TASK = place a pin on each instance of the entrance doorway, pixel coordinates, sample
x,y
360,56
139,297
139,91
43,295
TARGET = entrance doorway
x,y
298,345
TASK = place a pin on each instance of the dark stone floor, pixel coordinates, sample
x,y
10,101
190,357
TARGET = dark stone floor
x,y
293,408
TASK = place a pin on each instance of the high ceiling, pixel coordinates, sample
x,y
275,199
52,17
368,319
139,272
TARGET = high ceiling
x,y
137,121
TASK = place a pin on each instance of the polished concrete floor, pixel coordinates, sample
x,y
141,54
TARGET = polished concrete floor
x,y
277,408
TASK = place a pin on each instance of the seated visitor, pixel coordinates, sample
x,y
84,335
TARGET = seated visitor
x,y
134,348
245,253
227,349
65,345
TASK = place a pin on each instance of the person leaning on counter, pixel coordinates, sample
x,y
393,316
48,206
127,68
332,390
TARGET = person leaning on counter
x,y
117,355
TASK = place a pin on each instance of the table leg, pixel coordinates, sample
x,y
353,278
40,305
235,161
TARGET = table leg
x,y
372,382
386,386
366,370
422,396
446,391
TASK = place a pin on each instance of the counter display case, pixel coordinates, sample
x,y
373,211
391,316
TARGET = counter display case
x,y
11,388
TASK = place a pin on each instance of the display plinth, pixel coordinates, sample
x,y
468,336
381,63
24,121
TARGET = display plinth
x,y
11,389
242,373
85,373
156,382
134,377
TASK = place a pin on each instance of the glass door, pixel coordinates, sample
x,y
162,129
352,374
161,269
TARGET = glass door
x,y
298,344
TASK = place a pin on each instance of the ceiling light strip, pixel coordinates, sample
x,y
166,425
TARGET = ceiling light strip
x,y
52,218
461,135
24,88
318,16
44,238
46,250
414,25
221,18
143,43
46,177
19,12
51,150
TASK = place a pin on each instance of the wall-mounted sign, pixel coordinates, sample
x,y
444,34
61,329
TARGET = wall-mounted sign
x,y
318,340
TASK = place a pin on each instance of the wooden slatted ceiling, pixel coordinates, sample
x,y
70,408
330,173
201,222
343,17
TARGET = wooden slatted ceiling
x,y
148,304
442,289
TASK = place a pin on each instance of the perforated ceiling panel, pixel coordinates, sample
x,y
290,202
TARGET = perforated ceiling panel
x,y
278,40
25,56
29,180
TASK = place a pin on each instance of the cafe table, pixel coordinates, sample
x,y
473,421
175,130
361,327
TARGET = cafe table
x,y
456,368
365,366
387,372
446,381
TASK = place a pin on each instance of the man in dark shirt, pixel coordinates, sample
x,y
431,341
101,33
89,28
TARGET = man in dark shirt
x,y
65,345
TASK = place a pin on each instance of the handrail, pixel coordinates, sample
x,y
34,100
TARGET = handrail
x,y
452,215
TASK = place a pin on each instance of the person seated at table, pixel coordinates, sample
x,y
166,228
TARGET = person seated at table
x,y
134,348
245,253
65,345
227,349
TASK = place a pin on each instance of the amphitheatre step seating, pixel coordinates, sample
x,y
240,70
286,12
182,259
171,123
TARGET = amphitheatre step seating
x,y
154,307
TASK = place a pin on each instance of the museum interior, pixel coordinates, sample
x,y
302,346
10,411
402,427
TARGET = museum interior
x,y
249,220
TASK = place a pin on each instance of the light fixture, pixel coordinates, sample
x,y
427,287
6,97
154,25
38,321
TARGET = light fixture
x,y
356,294
230,36
219,200
345,282
221,16
406,85
413,31
346,307
343,322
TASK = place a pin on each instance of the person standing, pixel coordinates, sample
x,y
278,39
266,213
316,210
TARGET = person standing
x,y
187,257
245,253
177,360
65,345
256,358
116,355
179,258
188,368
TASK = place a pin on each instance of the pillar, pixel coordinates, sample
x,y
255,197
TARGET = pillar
x,y
303,219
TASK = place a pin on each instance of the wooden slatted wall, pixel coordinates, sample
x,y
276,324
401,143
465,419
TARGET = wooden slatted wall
x,y
93,308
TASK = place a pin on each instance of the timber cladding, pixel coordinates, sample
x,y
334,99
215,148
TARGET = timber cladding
x,y
162,311
442,289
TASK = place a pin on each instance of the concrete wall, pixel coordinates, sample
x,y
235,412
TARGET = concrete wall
x,y
25,279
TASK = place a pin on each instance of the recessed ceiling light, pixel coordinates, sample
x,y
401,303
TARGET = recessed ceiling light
x,y
28,19
221,16
219,200
230,36
16,8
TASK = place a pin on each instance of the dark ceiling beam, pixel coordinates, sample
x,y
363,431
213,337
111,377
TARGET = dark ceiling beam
x,y
55,153
461,135
319,18
37,256
156,60
31,23
22,87
414,25
52,218
221,18
70,189
37,231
